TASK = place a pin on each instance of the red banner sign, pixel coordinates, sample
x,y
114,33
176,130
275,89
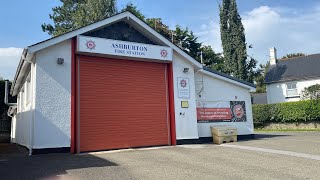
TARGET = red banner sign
x,y
221,111
205,114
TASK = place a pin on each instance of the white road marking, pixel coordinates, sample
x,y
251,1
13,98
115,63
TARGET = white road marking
x,y
273,151
126,150
107,152
191,146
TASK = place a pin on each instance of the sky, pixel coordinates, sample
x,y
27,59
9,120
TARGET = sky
x,y
289,25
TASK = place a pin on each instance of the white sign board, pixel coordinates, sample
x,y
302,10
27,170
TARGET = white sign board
x,y
123,48
183,88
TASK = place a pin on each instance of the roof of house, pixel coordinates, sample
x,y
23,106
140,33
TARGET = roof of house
x,y
229,77
300,68
128,17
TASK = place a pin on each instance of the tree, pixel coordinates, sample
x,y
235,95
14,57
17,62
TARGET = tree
x,y
74,14
134,10
260,77
187,41
311,92
252,73
211,59
293,55
234,42
160,27
182,37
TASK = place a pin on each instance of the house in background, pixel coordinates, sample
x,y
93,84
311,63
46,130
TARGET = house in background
x,y
287,78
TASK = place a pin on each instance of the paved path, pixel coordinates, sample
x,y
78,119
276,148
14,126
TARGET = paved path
x,y
264,158
300,142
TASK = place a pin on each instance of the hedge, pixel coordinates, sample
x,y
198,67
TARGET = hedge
x,y
289,112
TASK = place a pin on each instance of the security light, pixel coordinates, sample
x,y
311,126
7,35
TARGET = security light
x,y
185,70
60,61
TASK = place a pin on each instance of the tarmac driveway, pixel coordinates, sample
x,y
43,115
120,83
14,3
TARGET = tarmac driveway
x,y
271,156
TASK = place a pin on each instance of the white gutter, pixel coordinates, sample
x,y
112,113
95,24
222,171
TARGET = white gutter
x,y
25,61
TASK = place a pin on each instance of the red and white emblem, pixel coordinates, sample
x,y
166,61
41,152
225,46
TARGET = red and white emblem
x,y
90,44
238,111
164,53
183,83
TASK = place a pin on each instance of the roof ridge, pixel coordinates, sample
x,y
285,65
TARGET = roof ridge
x,y
300,68
291,58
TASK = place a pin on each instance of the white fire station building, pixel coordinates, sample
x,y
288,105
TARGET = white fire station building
x,y
119,84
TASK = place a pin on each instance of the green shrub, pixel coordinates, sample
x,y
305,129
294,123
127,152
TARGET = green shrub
x,y
289,112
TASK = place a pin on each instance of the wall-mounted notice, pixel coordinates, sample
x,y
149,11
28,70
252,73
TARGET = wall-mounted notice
x,y
183,88
185,104
221,111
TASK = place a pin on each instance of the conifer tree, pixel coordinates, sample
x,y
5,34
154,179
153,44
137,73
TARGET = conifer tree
x,y
234,42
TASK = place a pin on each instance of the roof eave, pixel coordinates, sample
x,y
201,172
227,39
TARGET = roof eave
x,y
294,79
212,74
25,61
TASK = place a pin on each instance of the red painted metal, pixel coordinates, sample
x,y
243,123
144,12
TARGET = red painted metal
x,y
73,96
171,105
123,104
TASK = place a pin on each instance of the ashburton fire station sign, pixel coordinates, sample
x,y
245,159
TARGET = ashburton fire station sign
x,y
123,48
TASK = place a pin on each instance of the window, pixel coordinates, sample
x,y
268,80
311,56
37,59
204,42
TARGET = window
x,y
292,90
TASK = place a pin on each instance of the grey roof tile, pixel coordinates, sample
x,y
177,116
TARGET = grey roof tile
x,y
300,68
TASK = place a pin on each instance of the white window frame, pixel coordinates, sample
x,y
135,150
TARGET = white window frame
x,y
289,88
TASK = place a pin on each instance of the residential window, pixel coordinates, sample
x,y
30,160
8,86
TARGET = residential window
x,y
292,90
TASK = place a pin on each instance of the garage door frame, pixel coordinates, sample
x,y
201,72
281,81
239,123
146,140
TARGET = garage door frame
x,y
74,100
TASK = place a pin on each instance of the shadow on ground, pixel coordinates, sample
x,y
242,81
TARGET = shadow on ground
x,y
16,164
263,136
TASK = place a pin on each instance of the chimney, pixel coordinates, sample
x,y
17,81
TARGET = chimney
x,y
273,56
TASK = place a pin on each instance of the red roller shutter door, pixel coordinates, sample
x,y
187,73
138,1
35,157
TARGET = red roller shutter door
x,y
122,104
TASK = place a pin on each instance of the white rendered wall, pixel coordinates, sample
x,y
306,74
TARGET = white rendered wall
x,y
217,90
276,93
186,118
53,97
21,122
22,131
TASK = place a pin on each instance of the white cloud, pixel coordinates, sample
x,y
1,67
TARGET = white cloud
x,y
289,30
9,59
